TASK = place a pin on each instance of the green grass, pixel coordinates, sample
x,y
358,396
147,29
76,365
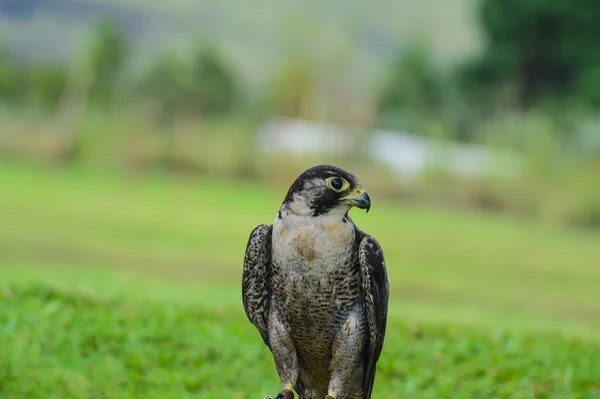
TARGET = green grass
x,y
115,287
60,344
466,268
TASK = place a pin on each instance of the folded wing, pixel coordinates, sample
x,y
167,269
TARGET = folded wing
x,y
375,285
255,279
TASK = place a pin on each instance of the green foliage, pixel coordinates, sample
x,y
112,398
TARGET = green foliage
x,y
415,96
47,84
588,86
7,76
57,343
292,89
41,85
206,86
106,58
414,82
165,84
214,86
546,48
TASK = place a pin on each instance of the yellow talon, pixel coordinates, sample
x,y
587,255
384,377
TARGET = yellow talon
x,y
332,394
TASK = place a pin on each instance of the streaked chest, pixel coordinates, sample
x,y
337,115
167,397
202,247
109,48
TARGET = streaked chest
x,y
312,244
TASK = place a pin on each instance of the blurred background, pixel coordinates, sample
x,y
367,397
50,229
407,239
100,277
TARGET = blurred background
x,y
143,141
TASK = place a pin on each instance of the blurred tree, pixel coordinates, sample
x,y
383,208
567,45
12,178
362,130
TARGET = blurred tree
x,y
207,85
546,48
214,87
8,78
588,86
414,95
106,56
46,85
38,83
292,92
414,82
164,84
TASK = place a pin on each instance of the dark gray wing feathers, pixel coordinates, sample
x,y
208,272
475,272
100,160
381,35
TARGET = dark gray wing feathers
x,y
375,285
255,279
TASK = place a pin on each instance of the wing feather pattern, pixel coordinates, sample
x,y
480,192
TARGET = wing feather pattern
x,y
255,279
375,285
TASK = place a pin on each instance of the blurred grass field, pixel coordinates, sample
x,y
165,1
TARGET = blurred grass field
x,y
458,266
115,287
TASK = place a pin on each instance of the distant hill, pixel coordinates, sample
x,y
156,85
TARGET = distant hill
x,y
254,35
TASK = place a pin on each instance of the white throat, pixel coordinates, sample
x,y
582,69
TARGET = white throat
x,y
300,209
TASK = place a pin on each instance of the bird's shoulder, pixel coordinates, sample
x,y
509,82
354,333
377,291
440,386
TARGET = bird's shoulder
x,y
258,239
365,240
370,256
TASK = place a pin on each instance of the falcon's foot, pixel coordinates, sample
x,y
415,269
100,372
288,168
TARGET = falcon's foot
x,y
285,394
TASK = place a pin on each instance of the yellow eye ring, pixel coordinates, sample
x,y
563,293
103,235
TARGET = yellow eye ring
x,y
337,184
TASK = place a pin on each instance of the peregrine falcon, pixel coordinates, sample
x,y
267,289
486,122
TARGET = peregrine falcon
x,y
316,288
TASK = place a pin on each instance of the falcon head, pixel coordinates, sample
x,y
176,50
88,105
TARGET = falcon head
x,y
326,189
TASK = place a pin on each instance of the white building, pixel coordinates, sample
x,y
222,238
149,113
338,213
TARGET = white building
x,y
406,155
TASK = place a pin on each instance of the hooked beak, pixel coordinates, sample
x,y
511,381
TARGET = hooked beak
x,y
360,199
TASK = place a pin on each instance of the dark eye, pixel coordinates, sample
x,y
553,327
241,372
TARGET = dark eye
x,y
337,183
